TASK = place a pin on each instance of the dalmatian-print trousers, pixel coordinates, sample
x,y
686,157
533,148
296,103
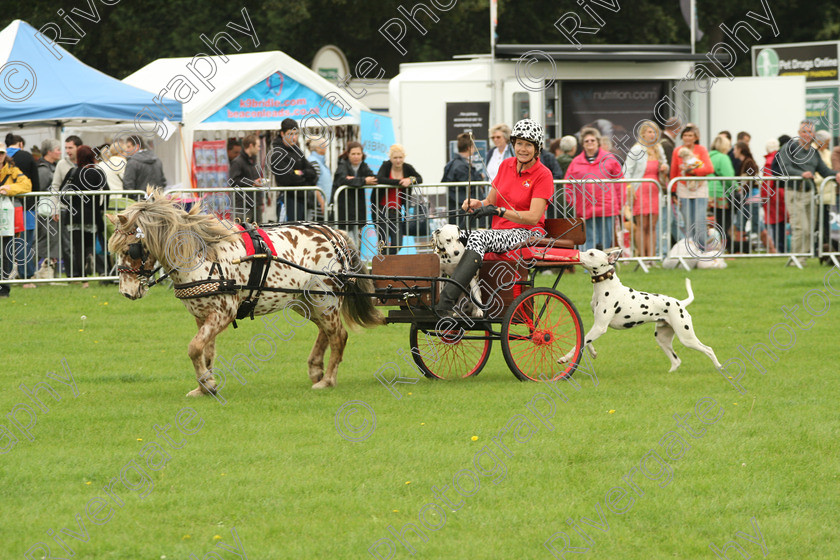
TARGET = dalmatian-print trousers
x,y
497,240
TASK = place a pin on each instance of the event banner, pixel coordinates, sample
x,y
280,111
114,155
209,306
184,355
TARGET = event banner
x,y
275,98
467,117
613,108
816,61
377,135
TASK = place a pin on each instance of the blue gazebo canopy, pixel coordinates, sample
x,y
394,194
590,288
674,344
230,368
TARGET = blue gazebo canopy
x,y
40,81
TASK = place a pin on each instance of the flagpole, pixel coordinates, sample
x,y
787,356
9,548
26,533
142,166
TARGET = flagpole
x,y
493,18
693,25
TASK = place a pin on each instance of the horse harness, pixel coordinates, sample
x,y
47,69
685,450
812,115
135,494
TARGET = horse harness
x,y
260,251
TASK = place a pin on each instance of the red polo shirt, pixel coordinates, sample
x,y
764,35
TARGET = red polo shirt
x,y
515,190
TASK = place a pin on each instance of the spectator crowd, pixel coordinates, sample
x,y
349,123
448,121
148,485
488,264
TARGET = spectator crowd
x,y
726,195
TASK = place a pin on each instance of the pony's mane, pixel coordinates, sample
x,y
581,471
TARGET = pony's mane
x,y
175,237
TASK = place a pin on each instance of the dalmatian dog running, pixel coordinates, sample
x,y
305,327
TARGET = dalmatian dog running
x,y
620,307
449,242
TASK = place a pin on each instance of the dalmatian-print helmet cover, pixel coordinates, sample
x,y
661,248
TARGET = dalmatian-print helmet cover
x,y
527,129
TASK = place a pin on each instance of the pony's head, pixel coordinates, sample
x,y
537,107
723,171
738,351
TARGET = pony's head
x,y
160,230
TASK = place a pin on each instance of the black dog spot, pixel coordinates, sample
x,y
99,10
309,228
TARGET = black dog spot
x,y
605,311
630,324
667,304
615,304
606,294
618,310
644,312
632,297
627,316
686,327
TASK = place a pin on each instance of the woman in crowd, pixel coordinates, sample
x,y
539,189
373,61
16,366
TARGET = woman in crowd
x,y
775,212
86,212
598,204
739,241
517,201
693,196
500,135
646,159
12,183
355,173
388,205
720,192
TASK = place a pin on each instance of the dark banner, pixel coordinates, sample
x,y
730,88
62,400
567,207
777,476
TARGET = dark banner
x,y
467,117
614,108
817,62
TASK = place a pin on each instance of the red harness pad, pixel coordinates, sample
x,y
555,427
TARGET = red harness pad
x,y
539,254
249,244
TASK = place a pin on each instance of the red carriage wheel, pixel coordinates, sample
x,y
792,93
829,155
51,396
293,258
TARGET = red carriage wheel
x,y
540,327
449,353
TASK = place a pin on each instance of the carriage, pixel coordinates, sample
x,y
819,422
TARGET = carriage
x,y
536,326
223,274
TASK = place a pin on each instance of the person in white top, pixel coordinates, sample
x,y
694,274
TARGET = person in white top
x,y
500,135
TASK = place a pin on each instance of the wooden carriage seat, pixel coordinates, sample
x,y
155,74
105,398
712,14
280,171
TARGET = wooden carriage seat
x,y
555,249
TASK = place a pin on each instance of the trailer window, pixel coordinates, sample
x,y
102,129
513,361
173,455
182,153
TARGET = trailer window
x,y
521,106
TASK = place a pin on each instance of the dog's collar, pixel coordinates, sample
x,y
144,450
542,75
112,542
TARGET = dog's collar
x,y
605,276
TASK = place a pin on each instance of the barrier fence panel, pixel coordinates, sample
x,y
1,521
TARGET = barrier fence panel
x,y
828,246
739,217
64,238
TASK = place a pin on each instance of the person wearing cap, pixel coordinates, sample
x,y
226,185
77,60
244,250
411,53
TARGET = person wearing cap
x,y
516,201
292,169
12,183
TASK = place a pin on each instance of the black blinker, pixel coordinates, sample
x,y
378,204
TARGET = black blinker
x,y
135,251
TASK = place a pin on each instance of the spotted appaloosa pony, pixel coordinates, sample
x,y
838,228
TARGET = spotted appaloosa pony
x,y
187,244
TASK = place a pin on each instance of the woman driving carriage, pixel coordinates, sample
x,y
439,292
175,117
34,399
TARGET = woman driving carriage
x,y
517,201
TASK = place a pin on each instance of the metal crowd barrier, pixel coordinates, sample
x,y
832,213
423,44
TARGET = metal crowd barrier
x,y
742,220
65,238
829,210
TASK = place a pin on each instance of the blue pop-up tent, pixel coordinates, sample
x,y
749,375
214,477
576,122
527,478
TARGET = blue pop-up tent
x,y
42,83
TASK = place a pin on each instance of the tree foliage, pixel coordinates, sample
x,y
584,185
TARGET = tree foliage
x,y
131,34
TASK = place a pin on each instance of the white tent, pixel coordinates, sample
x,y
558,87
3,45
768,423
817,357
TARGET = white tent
x,y
253,91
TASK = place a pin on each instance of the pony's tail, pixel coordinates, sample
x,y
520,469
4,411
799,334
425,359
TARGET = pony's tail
x,y
357,308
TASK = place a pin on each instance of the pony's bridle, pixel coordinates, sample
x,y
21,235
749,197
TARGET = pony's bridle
x,y
137,252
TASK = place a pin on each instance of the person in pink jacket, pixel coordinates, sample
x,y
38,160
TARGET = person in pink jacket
x,y
597,203
693,195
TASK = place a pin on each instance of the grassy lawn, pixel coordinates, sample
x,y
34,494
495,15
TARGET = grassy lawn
x,y
486,468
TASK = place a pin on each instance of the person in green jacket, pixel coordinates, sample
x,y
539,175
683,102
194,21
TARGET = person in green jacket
x,y
720,192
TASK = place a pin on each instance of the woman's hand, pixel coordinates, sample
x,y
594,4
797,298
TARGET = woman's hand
x,y
370,180
664,168
4,191
405,182
471,204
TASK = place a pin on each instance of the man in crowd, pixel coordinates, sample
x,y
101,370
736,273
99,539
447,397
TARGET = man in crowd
x,y
798,158
234,148
62,168
47,241
25,251
669,137
245,173
291,169
460,170
317,155
142,168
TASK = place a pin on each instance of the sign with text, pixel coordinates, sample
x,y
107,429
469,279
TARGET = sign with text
x,y
614,108
467,117
275,98
377,136
816,61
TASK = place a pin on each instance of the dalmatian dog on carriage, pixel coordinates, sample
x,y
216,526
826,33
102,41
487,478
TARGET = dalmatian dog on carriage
x,y
449,242
620,307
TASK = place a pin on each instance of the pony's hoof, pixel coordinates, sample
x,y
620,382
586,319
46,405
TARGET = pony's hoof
x,y
197,392
323,384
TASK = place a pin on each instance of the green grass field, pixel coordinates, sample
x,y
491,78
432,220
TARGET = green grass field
x,y
270,468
